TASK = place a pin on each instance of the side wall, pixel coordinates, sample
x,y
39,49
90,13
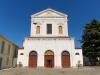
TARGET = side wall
x,y
7,53
78,59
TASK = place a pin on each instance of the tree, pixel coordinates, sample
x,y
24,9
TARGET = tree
x,y
91,41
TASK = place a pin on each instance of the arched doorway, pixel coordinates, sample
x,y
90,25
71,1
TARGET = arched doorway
x,y
49,59
65,58
33,59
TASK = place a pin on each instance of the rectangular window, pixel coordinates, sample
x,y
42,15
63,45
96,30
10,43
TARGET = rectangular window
x,y
60,30
2,47
15,53
37,29
49,28
9,49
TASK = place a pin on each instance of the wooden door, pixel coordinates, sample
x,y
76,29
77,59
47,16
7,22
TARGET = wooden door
x,y
65,60
49,61
33,60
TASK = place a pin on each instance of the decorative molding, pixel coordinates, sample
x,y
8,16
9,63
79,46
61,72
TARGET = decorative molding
x,y
60,24
48,15
37,23
48,38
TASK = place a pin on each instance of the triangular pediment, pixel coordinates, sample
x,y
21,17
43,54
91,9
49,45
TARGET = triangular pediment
x,y
49,13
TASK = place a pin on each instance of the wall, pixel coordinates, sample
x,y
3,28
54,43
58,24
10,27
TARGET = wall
x,y
57,45
79,57
43,23
7,59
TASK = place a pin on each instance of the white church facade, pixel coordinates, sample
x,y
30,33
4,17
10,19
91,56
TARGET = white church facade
x,y
49,44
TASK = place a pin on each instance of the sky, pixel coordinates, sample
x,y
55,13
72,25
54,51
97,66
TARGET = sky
x,y
15,16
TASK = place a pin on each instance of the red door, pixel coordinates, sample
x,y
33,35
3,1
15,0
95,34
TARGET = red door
x,y
65,60
49,61
33,60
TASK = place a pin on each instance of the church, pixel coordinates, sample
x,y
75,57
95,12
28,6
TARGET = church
x,y
49,44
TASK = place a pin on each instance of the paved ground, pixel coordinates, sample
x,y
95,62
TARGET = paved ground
x,y
44,71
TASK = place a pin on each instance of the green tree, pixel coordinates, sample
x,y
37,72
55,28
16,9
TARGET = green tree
x,y
91,41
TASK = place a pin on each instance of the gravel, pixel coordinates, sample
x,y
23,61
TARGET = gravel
x,y
48,71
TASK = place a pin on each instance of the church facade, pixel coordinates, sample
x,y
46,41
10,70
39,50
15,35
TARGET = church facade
x,y
49,44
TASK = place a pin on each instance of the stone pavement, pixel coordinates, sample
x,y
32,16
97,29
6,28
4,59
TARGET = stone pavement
x,y
46,71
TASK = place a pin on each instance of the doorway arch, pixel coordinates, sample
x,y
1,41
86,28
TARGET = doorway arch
x,y
33,59
65,59
49,59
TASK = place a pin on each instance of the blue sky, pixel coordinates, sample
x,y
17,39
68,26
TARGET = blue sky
x,y
15,16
